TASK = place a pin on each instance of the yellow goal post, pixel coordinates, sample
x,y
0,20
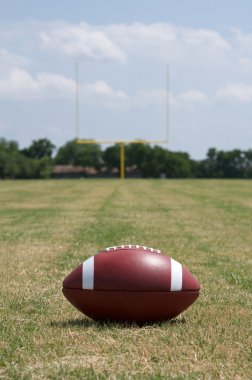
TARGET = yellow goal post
x,y
123,142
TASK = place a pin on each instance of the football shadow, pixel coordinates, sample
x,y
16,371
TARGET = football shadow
x,y
87,323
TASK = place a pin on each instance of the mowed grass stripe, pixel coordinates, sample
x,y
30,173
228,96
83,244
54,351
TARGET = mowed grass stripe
x,y
87,235
43,336
100,228
210,233
27,286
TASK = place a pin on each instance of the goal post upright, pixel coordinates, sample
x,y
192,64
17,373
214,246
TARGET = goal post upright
x,y
122,142
122,161
77,100
167,103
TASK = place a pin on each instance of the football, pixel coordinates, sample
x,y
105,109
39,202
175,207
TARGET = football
x,y
131,283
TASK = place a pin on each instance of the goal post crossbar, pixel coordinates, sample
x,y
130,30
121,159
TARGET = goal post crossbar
x,y
108,142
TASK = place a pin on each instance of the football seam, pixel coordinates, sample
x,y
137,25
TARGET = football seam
x,y
132,246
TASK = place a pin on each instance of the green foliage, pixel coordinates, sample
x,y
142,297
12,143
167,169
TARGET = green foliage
x,y
151,162
111,157
15,164
44,167
157,161
226,164
136,154
39,149
75,154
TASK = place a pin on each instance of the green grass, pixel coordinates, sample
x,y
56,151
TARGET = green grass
x,y
47,228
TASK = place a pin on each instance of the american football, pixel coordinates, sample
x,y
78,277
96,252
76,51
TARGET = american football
x,y
131,283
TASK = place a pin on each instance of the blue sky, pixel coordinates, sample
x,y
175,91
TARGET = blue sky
x,y
123,49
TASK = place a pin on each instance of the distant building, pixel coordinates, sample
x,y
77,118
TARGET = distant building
x,y
70,171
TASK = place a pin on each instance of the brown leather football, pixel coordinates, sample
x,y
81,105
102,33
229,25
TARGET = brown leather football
x,y
131,283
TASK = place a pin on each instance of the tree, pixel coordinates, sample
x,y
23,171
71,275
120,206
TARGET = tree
x,y
225,164
248,163
138,154
36,161
229,164
79,154
44,167
8,146
39,149
9,159
111,157
15,164
177,165
154,162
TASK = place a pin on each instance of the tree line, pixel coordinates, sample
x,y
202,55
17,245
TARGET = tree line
x,y
39,159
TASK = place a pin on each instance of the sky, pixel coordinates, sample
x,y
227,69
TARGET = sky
x,y
123,49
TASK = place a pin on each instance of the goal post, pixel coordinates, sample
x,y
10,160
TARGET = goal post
x,y
122,142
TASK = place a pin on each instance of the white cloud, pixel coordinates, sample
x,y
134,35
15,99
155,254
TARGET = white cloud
x,y
242,40
151,97
10,31
20,85
121,42
104,89
8,59
102,93
80,41
59,83
245,63
192,96
235,92
159,96
174,43
163,42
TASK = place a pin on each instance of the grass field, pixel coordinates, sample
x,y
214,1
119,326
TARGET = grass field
x,y
47,228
